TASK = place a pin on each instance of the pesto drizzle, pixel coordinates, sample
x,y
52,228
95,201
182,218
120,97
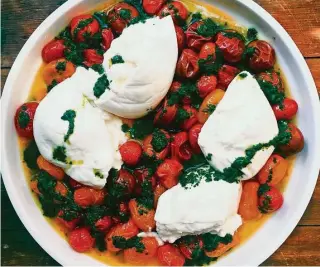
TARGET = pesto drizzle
x,y
23,117
117,59
100,86
69,116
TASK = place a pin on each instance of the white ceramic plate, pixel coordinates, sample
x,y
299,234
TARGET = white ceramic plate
x,y
301,84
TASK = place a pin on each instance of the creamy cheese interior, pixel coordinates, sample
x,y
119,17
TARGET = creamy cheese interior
x,y
243,118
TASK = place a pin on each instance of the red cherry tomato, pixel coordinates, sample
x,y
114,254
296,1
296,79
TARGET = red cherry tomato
x,y
74,184
225,76
23,119
195,40
87,196
131,152
187,248
180,147
104,223
81,240
165,114
175,86
53,50
273,78
271,200
187,66
152,7
141,176
69,225
81,32
208,49
181,38
263,57
192,120
168,172
206,84
287,110
177,10
232,48
126,180
193,138
149,150
170,255
121,15
296,142
92,57
107,38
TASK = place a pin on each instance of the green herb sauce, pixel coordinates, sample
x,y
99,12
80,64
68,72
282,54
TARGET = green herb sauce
x,y
30,155
125,14
69,116
61,66
252,34
81,25
159,140
100,86
59,153
23,117
133,242
117,59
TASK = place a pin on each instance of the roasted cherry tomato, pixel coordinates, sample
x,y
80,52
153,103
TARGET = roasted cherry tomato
x,y
69,225
168,172
208,105
57,71
53,50
125,230
104,223
134,257
107,38
158,191
61,189
34,187
226,75
143,175
180,147
181,38
74,184
83,26
142,216
23,119
248,207
192,120
208,50
286,110
271,200
187,66
187,247
91,57
296,142
193,138
123,213
53,170
131,152
81,240
273,78
121,15
87,196
232,48
175,86
165,114
263,57
170,255
195,40
150,151
206,84
223,248
177,10
126,180
152,7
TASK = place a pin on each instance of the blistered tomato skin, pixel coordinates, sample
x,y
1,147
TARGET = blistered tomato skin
x,y
195,40
273,78
170,255
208,50
168,172
271,200
206,84
90,29
192,120
296,142
53,50
165,114
287,110
232,48
107,38
225,76
148,148
181,38
23,119
263,57
91,57
180,147
193,138
131,152
152,7
177,10
81,240
187,66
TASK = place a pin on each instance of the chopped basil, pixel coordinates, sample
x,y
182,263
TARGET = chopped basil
x,y
209,157
30,155
211,241
125,14
98,68
133,242
23,117
243,75
271,92
98,173
69,116
208,28
252,34
59,153
159,140
182,115
100,86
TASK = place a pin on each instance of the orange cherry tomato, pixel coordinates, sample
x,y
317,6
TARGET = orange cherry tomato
x,y
273,171
23,119
58,70
263,57
34,187
168,172
104,223
273,78
211,99
177,10
180,147
193,138
81,240
53,170
87,196
206,84
187,66
207,50
61,189
159,190
248,207
79,33
225,76
271,200
287,110
131,152
170,255
53,50
107,38
223,248
142,217
296,142
149,150
152,7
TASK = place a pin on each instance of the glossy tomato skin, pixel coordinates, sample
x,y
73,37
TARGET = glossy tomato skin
x,y
23,119
166,114
187,248
206,84
187,66
86,196
296,142
53,50
168,172
152,7
192,120
208,49
148,148
176,10
107,38
181,38
91,29
232,48
81,240
273,78
131,152
195,40
116,18
69,225
104,223
193,137
91,57
170,255
263,57
175,86
126,180
271,200
225,76
287,110
180,147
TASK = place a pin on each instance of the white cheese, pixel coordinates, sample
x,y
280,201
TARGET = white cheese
x,y
243,118
210,207
150,52
92,149
151,234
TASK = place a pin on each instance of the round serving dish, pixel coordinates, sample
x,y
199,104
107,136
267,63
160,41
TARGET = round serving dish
x,y
300,82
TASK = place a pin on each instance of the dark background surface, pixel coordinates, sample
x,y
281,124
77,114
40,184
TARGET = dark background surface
x,y
301,18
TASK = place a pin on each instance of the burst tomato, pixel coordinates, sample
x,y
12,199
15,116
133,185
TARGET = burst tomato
x,y
165,114
131,152
107,38
181,38
23,119
79,32
225,75
193,138
170,255
176,10
208,50
168,172
206,84
150,151
195,40
180,147
187,66
273,78
192,120
263,57
152,7
91,57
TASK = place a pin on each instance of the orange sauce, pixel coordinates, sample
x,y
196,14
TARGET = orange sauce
x,y
39,90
